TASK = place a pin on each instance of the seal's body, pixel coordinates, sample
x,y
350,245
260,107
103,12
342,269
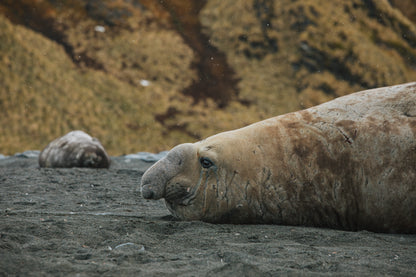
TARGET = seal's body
x,y
75,149
347,164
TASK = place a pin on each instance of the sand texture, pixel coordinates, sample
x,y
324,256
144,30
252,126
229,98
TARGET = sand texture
x,y
94,222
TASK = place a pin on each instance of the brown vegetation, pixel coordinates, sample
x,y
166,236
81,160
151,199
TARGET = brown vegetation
x,y
212,65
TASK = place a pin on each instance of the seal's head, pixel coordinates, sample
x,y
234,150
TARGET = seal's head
x,y
208,180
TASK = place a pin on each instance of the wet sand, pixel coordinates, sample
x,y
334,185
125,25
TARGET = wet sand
x,y
93,222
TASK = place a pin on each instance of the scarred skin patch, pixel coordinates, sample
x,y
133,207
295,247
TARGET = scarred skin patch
x,y
347,164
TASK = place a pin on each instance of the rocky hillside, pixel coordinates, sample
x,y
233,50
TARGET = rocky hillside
x,y
146,75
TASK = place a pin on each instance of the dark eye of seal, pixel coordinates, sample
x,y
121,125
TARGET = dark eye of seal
x,y
205,162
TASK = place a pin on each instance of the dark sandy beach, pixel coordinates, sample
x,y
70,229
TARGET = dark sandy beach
x,y
94,222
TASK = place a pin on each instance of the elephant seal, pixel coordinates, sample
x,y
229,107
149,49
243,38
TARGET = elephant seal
x,y
75,149
346,164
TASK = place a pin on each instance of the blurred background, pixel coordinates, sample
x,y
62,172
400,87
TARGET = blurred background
x,y
144,75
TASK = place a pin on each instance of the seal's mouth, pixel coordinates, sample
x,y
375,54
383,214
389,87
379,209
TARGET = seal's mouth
x,y
180,195
174,193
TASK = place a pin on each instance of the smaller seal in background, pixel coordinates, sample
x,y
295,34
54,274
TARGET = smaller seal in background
x,y
75,149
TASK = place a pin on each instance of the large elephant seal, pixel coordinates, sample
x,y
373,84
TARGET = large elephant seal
x,y
75,149
348,164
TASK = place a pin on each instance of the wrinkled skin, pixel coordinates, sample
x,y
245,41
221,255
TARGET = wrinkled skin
x,y
347,164
75,149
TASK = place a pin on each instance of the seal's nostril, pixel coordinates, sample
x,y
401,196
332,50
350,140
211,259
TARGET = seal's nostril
x,y
147,193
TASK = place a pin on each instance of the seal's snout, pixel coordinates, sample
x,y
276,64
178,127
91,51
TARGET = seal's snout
x,y
151,185
158,176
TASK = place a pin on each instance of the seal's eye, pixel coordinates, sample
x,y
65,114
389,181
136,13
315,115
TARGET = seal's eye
x,y
205,162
